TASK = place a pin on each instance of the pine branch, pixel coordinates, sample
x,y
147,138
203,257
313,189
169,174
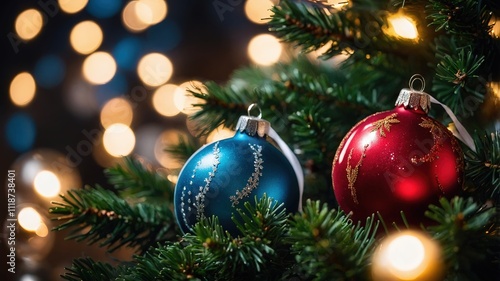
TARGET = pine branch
x,y
87,269
112,220
183,149
457,82
135,179
470,252
483,167
468,19
328,246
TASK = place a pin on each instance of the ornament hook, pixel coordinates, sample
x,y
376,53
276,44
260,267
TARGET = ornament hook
x,y
417,77
258,108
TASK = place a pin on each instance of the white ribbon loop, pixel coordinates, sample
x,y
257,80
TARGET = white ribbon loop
x,y
292,158
461,133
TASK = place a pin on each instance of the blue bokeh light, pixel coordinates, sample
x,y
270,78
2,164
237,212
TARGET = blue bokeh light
x,y
127,53
116,87
164,36
49,71
103,8
20,132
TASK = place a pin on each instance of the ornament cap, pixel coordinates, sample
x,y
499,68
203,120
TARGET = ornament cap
x,y
252,125
414,99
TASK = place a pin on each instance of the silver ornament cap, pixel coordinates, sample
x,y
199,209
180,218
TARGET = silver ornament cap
x,y
415,99
253,125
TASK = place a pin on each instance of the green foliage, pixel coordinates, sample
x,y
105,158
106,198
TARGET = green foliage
x,y
112,220
115,220
135,179
88,269
469,251
457,82
311,104
483,167
328,246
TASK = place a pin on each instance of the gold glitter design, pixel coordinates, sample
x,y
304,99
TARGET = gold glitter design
x,y
352,174
438,137
385,123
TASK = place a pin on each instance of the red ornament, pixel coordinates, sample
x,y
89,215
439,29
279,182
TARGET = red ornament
x,y
397,160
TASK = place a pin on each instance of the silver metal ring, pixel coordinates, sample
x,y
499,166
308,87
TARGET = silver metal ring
x,y
257,106
417,77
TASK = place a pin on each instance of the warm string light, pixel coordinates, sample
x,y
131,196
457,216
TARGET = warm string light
x,y
47,184
72,6
407,255
258,11
264,49
164,100
99,68
401,25
154,69
116,110
29,24
118,140
86,37
22,89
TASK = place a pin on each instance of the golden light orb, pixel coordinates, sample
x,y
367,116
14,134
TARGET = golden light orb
x,y
184,99
47,184
407,255
157,11
119,140
258,11
29,24
72,6
99,68
400,25
22,89
264,49
116,110
136,16
86,37
154,69
163,100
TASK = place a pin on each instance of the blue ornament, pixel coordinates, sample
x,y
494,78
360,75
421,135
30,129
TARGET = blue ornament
x,y
219,177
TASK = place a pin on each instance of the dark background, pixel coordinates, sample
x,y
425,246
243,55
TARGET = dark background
x,y
209,46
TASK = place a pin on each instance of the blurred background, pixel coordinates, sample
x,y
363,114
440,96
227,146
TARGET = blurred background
x,y
86,81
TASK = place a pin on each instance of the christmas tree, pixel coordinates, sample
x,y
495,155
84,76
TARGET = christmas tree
x,y
312,101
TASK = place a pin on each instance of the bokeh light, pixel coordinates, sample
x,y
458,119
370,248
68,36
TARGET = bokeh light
x,y
49,71
407,255
154,69
20,132
47,184
118,140
29,219
127,53
29,24
402,26
103,8
133,15
22,89
34,240
80,99
258,11
158,11
163,100
86,37
99,68
72,6
116,110
166,139
219,134
264,49
184,99
165,35
116,87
